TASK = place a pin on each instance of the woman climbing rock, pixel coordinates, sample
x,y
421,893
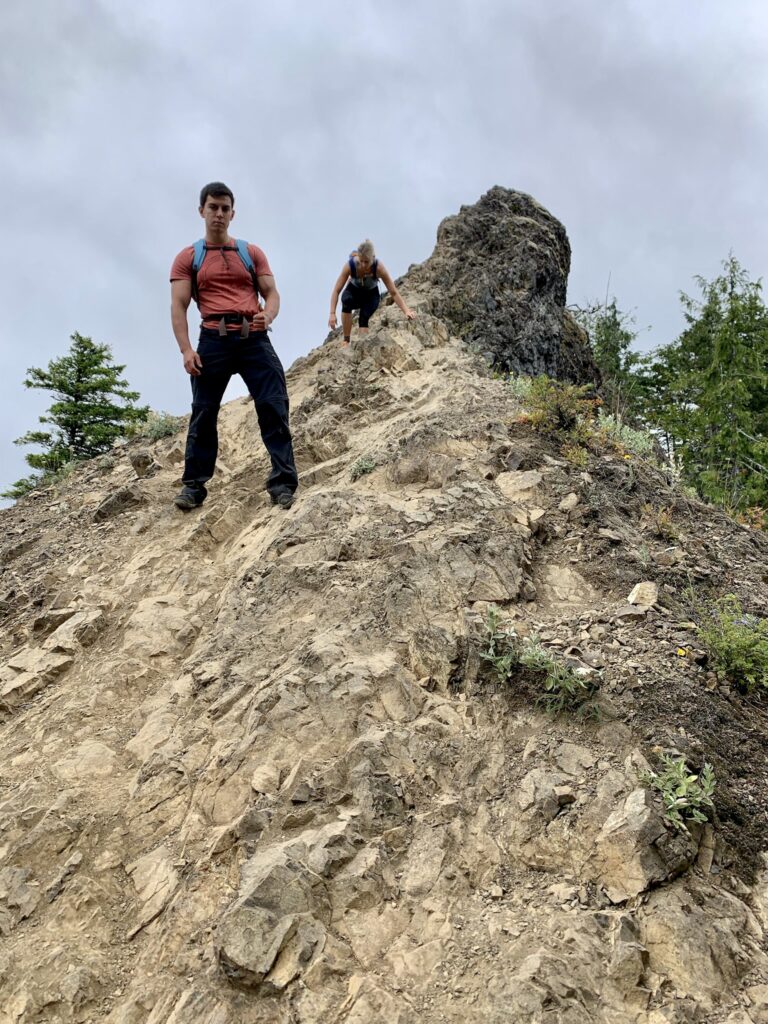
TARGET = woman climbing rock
x,y
361,275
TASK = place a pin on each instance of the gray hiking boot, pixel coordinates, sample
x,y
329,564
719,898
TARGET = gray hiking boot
x,y
189,497
283,500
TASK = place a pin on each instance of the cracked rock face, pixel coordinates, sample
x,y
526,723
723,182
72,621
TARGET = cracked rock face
x,y
254,768
498,277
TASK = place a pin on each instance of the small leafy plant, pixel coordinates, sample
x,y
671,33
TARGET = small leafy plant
x,y
737,644
520,386
501,647
755,517
639,442
660,522
364,465
576,455
156,426
555,407
564,689
685,795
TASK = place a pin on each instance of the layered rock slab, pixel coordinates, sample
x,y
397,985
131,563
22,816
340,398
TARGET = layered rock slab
x,y
272,783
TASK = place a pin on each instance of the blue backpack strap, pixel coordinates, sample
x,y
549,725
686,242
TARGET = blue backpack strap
x,y
198,255
245,256
375,268
352,267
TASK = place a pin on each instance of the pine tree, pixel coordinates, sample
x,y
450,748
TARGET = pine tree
x,y
708,390
85,417
611,334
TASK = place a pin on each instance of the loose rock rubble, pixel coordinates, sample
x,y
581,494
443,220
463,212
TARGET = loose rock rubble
x,y
254,768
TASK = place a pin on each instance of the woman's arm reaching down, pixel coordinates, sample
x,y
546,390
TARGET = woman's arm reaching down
x,y
397,298
340,282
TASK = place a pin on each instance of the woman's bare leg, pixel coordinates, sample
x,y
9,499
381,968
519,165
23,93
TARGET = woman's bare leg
x,y
346,326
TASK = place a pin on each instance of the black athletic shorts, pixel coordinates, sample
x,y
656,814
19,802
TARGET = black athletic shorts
x,y
365,299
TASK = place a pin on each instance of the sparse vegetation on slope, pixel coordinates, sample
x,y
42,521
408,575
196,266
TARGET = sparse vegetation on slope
x,y
560,688
737,644
254,766
686,796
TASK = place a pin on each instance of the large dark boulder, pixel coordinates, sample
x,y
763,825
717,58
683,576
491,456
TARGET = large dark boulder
x,y
498,276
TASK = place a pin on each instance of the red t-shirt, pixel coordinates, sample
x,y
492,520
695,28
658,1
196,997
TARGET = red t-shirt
x,y
223,283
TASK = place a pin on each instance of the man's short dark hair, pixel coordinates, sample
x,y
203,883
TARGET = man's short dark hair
x,y
217,189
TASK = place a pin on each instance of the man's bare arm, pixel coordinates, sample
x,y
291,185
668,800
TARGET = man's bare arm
x,y
181,296
268,289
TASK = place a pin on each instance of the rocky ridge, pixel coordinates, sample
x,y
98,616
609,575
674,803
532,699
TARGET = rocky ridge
x,y
253,769
498,278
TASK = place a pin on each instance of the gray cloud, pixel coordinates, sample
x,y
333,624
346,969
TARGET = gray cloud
x,y
640,125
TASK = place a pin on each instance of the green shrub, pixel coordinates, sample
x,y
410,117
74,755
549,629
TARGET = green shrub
x,y
576,455
157,425
564,689
555,407
565,412
22,487
520,387
683,794
572,414
639,442
501,647
737,644
364,465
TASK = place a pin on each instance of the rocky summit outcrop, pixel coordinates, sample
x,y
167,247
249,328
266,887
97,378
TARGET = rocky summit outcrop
x,y
254,769
498,276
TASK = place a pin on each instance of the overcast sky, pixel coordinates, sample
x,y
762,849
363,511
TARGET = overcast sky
x,y
640,124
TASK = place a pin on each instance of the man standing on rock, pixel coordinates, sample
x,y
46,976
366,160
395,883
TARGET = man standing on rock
x,y
226,278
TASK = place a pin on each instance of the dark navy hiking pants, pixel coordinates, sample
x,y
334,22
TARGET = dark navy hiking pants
x,y
259,366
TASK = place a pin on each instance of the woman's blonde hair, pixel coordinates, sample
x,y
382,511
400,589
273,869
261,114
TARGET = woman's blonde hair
x,y
366,251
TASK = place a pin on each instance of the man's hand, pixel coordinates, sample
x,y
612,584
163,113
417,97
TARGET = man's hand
x,y
409,314
193,364
332,321
261,321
